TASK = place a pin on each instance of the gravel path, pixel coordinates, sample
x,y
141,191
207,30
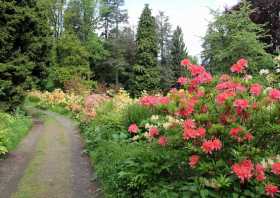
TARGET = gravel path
x,y
48,163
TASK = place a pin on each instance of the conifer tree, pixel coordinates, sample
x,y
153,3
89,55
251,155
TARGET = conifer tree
x,y
146,74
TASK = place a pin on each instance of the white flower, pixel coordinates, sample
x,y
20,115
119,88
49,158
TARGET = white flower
x,y
264,71
154,117
278,70
248,77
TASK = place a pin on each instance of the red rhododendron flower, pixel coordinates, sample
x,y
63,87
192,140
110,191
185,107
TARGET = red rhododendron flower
x,y
242,62
209,146
153,132
234,132
241,104
149,100
204,108
248,137
271,190
189,123
162,140
260,172
193,160
243,170
133,128
185,62
256,89
276,168
182,80
195,69
274,94
222,97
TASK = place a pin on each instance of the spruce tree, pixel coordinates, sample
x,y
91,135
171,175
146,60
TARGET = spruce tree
x,y
24,53
146,74
178,52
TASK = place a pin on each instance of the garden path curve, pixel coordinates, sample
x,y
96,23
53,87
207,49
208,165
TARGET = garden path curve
x,y
49,163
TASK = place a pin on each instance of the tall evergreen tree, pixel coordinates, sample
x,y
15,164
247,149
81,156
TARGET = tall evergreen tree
x,y
146,72
24,53
178,52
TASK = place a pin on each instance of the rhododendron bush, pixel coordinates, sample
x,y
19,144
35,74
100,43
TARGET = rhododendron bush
x,y
226,129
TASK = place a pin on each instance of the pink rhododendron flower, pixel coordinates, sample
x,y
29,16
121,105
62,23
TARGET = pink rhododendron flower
x,y
209,146
182,80
224,78
243,170
162,140
133,128
202,78
271,190
195,69
153,132
193,160
222,97
256,89
275,168
241,104
274,95
149,100
185,62
189,124
260,172
240,66
164,100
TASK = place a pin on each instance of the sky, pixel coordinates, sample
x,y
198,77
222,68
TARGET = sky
x,y
192,15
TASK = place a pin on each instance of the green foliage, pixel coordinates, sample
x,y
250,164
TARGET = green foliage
x,y
146,74
24,52
232,35
12,129
71,60
178,52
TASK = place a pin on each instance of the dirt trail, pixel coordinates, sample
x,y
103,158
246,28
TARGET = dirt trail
x,y
48,164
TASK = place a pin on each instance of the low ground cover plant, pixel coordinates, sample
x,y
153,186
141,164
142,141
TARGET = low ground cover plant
x,y
12,129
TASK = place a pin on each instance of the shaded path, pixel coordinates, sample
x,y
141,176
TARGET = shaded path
x,y
48,163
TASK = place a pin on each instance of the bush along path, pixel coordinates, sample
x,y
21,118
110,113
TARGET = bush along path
x,y
48,163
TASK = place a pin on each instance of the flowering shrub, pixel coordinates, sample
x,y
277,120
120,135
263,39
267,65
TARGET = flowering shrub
x,y
83,105
226,127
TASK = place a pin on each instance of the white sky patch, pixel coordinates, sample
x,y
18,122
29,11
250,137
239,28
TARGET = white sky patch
x,y
192,15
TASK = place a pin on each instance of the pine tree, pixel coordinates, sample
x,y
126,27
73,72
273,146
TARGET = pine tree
x,y
24,53
146,74
178,52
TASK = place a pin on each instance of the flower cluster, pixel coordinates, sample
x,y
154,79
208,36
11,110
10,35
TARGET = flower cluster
x,y
216,122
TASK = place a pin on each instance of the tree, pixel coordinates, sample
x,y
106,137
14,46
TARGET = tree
x,y
266,12
71,61
231,36
164,37
146,74
55,12
24,53
178,52
111,16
